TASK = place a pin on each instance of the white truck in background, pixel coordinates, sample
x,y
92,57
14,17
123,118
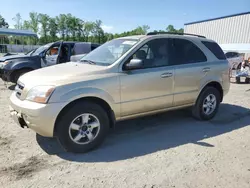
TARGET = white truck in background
x,y
235,59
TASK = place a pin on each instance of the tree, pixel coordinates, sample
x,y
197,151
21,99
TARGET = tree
x,y
18,20
79,28
88,28
98,31
181,30
171,29
26,25
61,22
74,26
44,21
34,22
53,29
145,29
3,23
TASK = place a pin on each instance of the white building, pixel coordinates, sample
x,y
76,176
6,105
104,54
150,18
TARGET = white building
x,y
231,32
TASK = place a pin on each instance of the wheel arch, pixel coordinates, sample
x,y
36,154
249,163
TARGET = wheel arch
x,y
13,73
214,84
95,100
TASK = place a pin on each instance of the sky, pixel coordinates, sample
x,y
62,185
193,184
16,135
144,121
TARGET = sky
x,y
125,15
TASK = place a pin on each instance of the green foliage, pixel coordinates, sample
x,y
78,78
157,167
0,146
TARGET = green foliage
x,y
3,23
171,29
69,27
18,20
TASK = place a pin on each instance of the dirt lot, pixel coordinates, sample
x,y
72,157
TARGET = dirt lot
x,y
167,150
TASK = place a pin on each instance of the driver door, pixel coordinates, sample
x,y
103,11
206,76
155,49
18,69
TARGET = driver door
x,y
52,55
149,88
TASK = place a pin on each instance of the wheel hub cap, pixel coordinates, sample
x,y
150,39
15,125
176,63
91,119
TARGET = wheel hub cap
x,y
84,128
209,104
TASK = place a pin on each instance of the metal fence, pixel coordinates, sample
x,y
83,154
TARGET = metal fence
x,y
14,48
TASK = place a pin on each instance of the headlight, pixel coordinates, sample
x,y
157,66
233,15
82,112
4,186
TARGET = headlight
x,y
6,62
40,94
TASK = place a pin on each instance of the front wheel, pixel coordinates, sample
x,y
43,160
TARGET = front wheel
x,y
16,75
83,127
207,104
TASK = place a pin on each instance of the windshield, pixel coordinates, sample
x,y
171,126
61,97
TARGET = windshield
x,y
30,52
109,52
40,49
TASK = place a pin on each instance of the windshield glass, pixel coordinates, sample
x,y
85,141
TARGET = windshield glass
x,y
30,52
109,52
40,49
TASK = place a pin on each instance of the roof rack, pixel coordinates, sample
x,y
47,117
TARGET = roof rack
x,y
171,33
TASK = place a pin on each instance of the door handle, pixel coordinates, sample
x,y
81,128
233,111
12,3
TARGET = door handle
x,y
207,69
167,74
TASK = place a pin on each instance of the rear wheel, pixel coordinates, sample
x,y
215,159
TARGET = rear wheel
x,y
83,127
207,104
237,80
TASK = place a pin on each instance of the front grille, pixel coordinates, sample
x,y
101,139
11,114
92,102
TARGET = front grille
x,y
19,87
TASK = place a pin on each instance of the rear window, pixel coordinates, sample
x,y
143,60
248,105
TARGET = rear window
x,y
215,49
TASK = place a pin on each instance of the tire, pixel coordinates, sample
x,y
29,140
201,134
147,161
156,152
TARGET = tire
x,y
16,75
237,80
198,110
64,132
247,80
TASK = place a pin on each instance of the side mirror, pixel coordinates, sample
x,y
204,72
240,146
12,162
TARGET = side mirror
x,y
134,64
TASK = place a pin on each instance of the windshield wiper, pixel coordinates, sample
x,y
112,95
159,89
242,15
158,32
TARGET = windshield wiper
x,y
88,61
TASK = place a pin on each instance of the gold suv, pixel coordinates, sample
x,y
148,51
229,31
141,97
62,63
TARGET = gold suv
x,y
78,102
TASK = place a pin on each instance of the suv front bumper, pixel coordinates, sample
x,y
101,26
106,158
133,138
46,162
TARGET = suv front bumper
x,y
39,117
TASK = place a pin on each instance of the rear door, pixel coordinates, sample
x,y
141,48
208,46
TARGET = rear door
x,y
190,67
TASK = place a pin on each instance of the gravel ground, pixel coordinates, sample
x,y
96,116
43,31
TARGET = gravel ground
x,y
167,150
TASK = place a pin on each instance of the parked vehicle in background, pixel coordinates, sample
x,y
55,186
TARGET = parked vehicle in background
x,y
235,59
80,50
13,66
122,79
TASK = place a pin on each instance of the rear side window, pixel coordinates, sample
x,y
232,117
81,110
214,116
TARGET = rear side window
x,y
186,52
215,49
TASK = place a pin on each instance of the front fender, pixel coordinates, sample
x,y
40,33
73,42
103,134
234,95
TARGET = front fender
x,y
22,64
78,93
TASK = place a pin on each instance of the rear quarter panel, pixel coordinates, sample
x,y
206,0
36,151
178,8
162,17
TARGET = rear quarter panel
x,y
219,73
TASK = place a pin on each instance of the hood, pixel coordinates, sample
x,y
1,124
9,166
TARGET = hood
x,y
10,57
60,74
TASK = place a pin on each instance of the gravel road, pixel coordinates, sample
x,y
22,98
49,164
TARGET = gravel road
x,y
167,150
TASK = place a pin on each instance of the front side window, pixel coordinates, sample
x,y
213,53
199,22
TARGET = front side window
x,y
155,53
40,49
109,52
186,52
53,51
